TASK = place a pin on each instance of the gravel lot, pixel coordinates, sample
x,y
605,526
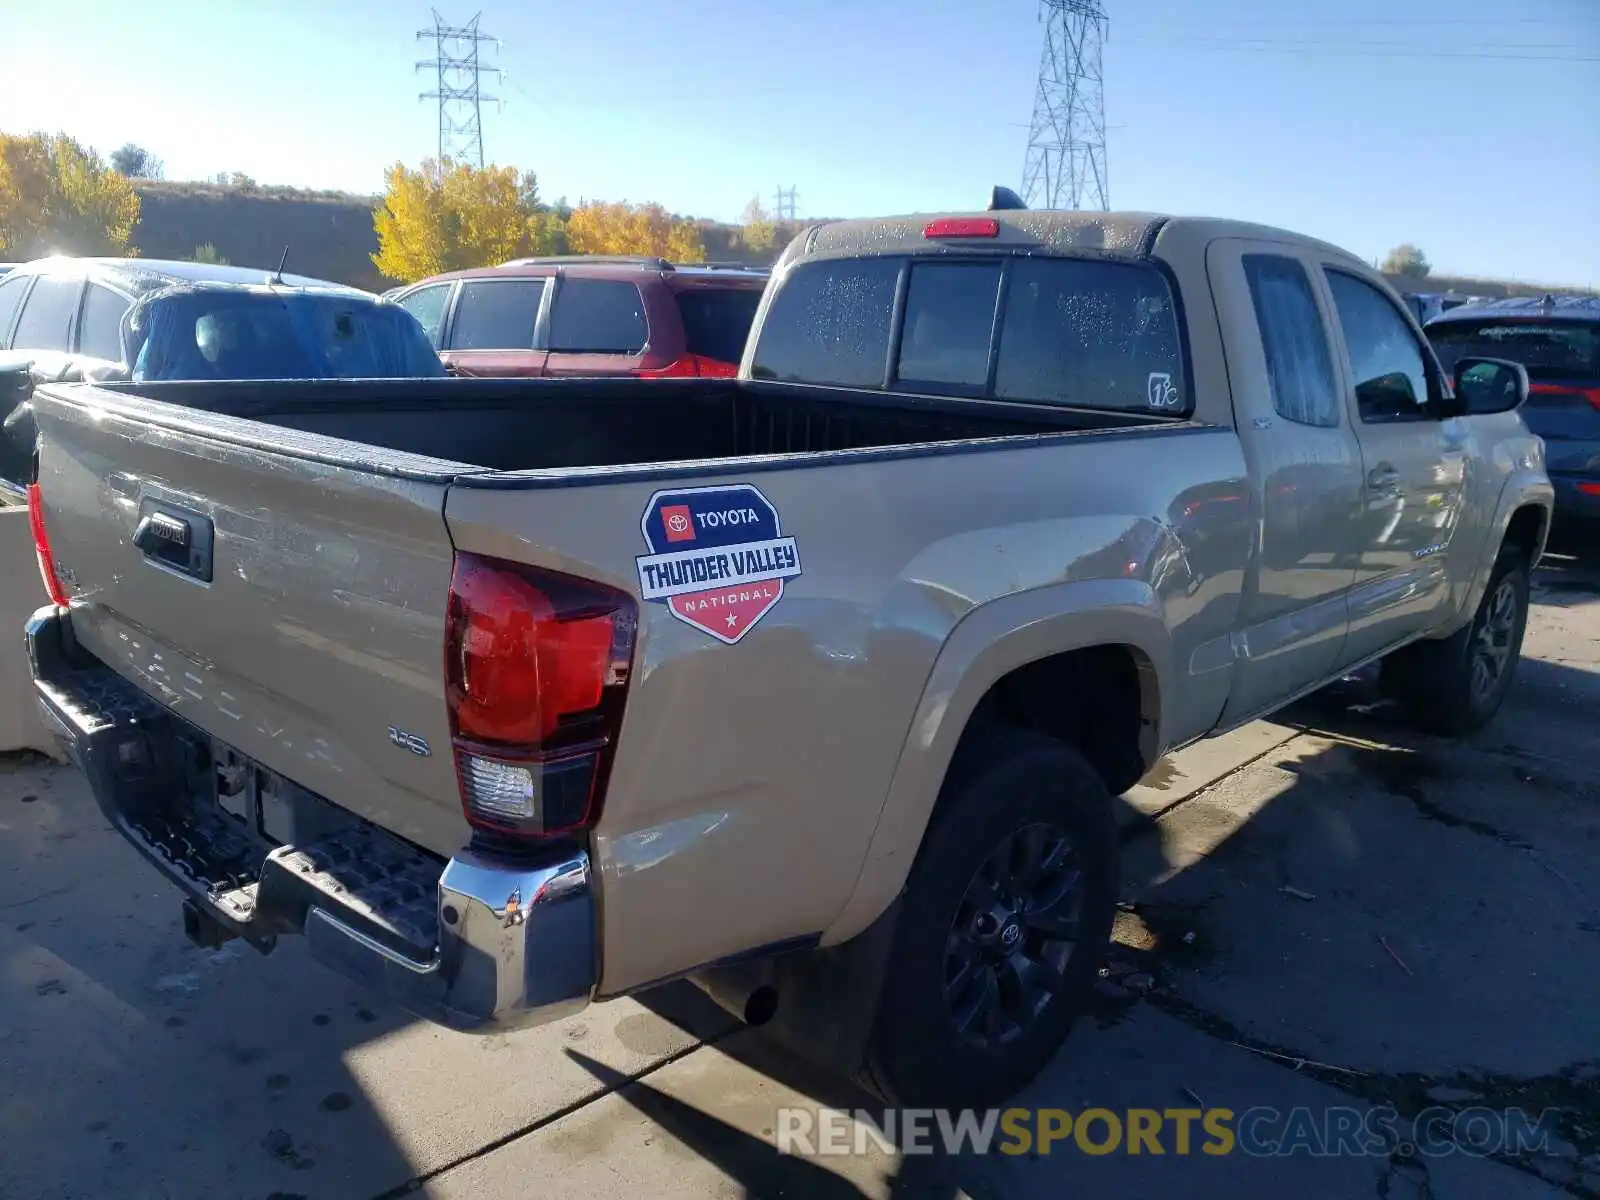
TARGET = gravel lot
x,y
1320,910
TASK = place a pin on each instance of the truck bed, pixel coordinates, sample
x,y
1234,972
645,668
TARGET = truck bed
x,y
300,620
517,425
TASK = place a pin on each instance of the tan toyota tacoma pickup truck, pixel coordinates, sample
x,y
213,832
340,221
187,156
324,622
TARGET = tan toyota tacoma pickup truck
x,y
814,685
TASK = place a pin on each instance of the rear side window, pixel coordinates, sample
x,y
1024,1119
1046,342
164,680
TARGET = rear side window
x,y
1092,335
100,334
949,323
496,314
47,316
598,316
11,291
1548,349
716,321
1299,363
427,306
830,323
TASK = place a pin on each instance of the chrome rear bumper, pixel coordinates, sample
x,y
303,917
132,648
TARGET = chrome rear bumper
x,y
474,943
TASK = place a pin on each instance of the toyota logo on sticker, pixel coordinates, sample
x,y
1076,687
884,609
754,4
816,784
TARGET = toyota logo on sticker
x,y
718,557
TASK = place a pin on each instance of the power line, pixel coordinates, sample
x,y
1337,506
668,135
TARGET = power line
x,y
1362,49
1431,21
1065,166
1307,41
457,69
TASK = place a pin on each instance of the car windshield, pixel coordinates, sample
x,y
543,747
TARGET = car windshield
x,y
1548,349
221,334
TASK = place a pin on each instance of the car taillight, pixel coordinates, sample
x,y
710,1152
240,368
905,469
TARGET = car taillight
x,y
536,670
1592,395
962,227
41,548
691,366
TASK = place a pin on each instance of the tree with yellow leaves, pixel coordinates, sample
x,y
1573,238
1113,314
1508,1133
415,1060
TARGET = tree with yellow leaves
x,y
447,216
598,228
58,195
760,234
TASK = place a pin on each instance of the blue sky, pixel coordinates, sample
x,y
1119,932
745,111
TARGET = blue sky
x,y
1470,127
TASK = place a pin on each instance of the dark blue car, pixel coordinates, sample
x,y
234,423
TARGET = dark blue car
x,y
1557,338
111,319
143,319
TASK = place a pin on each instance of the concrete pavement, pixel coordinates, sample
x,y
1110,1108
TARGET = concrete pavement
x,y
1448,953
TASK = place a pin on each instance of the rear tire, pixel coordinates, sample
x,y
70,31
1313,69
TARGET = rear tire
x,y
1004,924
1455,685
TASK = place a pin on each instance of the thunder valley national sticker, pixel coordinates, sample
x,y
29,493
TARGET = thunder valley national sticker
x,y
717,557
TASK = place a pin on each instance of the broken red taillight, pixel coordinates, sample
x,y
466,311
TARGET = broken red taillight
x,y
962,227
41,548
536,670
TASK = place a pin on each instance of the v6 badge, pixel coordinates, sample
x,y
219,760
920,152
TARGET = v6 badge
x,y
409,741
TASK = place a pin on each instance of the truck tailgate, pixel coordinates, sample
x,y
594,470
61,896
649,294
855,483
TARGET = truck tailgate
x,y
290,603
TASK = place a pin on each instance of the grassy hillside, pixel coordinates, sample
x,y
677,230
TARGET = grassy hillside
x,y
1466,285
329,235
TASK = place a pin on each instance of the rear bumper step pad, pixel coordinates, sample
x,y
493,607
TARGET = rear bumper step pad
x,y
472,943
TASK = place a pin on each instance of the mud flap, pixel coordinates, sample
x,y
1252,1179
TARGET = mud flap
x,y
827,997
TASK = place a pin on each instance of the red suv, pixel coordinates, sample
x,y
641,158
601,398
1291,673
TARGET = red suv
x,y
587,315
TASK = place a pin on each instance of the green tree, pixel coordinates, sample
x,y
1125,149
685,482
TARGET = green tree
x,y
136,162
1407,260
57,195
207,253
446,216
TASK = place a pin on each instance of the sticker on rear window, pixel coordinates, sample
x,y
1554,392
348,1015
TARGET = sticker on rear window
x,y
1162,392
718,557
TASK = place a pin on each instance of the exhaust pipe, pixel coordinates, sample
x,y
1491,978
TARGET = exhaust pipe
x,y
744,990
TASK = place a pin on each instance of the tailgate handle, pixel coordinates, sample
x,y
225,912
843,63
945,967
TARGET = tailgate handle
x,y
175,538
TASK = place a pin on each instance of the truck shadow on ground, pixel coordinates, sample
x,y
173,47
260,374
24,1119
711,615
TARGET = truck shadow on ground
x,y
1451,945
1405,920
134,1063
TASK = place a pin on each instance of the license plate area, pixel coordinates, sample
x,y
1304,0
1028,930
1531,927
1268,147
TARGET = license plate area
x,y
252,796
267,807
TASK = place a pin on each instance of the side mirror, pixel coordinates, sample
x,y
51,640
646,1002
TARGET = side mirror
x,y
1490,385
1388,397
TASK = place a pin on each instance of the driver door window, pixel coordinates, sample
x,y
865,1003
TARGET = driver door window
x,y
1388,369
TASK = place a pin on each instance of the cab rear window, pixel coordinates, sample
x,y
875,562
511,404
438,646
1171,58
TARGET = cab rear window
x,y
830,323
1083,333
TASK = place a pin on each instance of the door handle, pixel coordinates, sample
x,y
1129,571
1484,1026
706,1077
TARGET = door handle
x,y
1383,479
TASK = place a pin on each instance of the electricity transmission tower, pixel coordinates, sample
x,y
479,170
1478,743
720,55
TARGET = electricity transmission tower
x,y
1066,162
457,69
786,206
